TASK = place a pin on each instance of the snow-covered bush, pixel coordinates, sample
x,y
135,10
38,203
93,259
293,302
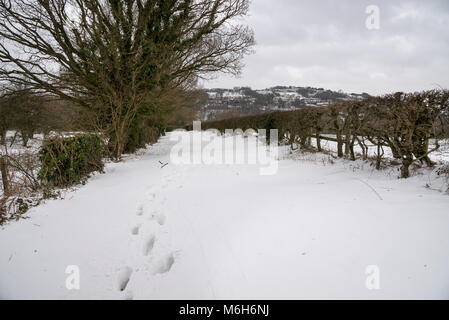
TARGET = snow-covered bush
x,y
68,161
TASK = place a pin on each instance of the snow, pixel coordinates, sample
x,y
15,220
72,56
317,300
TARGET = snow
x,y
264,92
140,231
15,146
439,156
232,94
212,95
289,95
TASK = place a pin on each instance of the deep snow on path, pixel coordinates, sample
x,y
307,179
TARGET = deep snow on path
x,y
225,232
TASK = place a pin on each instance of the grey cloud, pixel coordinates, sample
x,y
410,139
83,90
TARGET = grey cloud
x,y
325,43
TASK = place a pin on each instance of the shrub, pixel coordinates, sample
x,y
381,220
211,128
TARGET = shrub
x,y
68,161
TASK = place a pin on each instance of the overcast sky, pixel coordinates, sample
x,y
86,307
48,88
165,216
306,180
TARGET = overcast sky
x,y
325,43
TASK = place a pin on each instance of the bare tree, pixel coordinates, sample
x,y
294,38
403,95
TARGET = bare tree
x,y
117,57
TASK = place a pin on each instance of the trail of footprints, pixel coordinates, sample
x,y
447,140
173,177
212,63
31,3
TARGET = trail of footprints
x,y
154,264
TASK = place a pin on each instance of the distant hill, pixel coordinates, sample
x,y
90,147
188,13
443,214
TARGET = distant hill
x,y
223,103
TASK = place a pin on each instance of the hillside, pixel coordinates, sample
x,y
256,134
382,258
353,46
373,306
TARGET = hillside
x,y
246,101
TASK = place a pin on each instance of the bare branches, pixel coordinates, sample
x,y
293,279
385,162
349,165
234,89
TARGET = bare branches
x,y
110,56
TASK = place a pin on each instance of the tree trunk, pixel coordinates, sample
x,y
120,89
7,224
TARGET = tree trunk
x,y
116,145
363,146
351,149
406,162
309,139
25,138
303,141
318,141
3,138
339,145
4,172
347,143
380,154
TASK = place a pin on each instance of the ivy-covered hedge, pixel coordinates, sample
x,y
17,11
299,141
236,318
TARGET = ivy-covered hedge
x,y
68,161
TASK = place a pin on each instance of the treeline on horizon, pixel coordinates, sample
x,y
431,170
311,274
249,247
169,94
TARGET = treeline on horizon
x,y
403,122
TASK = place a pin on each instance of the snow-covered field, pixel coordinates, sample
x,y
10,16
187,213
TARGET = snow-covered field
x,y
225,232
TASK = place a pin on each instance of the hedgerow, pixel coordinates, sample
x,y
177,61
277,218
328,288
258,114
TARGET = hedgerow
x,y
403,122
68,161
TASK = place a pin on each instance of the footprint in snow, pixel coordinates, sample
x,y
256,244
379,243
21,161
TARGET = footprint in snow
x,y
123,278
135,230
164,264
152,196
139,211
148,245
159,217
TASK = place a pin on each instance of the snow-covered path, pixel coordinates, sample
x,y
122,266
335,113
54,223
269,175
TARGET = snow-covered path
x,y
225,232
